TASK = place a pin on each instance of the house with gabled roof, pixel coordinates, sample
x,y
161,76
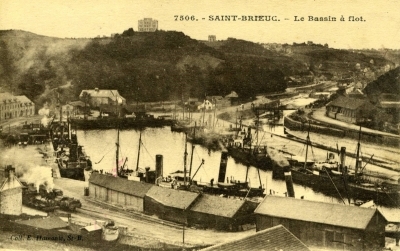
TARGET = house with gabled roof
x,y
118,191
349,109
324,224
169,204
212,211
15,106
274,238
103,97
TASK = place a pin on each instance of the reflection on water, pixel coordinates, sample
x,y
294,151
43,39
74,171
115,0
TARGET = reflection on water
x,y
100,145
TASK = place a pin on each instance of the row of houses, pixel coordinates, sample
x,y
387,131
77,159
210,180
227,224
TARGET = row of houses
x,y
12,106
312,223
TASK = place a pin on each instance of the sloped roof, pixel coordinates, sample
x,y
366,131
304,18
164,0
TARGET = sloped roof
x,y
103,93
4,179
274,238
45,223
318,212
131,187
226,207
77,103
8,96
349,103
172,197
233,94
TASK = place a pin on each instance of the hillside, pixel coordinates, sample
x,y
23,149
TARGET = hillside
x,y
161,66
386,83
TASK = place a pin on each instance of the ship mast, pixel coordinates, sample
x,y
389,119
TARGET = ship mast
x,y
308,142
138,154
117,154
184,161
191,156
358,152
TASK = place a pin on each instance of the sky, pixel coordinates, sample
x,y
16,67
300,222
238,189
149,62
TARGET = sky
x,y
379,28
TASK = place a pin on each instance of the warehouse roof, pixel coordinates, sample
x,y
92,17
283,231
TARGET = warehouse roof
x,y
349,103
226,207
172,197
318,212
274,238
131,187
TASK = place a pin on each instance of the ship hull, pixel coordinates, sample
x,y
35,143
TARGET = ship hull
x,y
261,161
333,185
113,123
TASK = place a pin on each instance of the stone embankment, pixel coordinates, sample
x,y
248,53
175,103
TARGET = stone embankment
x,y
335,130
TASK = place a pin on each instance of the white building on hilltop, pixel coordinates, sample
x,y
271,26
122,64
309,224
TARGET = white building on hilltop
x,y
147,25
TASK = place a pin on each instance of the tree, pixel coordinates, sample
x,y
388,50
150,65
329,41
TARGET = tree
x,y
86,97
128,33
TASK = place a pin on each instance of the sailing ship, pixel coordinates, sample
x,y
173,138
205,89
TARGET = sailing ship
x,y
341,180
185,181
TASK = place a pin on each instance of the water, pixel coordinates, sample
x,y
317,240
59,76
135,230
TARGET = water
x,y
100,145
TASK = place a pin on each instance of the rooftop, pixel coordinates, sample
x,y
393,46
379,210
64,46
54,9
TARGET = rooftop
x,y
45,223
172,197
349,103
318,212
131,187
226,207
274,238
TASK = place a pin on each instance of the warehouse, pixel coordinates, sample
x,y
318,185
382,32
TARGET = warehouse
x,y
126,193
324,224
212,211
169,204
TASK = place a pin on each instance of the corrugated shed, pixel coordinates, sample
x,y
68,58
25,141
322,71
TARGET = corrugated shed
x,y
317,212
349,103
172,197
274,238
130,187
219,206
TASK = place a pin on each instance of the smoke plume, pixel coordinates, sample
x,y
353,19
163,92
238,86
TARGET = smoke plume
x,y
277,157
29,165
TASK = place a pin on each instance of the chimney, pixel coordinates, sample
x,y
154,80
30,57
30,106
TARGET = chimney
x,y
10,172
289,181
147,174
342,159
159,165
222,166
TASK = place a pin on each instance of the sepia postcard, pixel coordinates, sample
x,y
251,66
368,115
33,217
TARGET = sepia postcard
x,y
199,125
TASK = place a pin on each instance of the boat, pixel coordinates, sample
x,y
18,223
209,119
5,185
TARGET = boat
x,y
119,122
242,149
185,181
342,180
71,158
229,186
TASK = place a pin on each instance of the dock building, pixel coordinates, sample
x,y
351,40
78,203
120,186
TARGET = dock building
x,y
323,224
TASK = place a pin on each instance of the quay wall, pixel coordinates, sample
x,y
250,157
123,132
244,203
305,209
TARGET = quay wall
x,y
340,132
